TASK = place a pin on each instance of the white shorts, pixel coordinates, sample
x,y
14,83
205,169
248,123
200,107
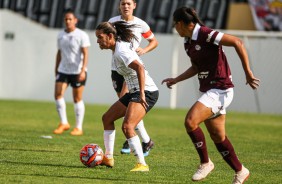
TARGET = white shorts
x,y
218,100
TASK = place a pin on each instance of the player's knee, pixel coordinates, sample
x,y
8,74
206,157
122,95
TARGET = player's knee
x,y
58,96
105,118
127,129
190,125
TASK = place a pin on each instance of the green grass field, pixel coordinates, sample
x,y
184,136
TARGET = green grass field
x,y
25,157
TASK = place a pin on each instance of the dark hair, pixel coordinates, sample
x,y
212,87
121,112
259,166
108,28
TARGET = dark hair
x,y
187,15
120,29
69,10
132,0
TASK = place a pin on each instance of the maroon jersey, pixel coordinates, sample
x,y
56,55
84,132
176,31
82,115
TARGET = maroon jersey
x,y
209,58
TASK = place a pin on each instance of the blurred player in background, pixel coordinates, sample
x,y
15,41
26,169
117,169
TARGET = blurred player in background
x,y
71,67
126,8
204,47
143,92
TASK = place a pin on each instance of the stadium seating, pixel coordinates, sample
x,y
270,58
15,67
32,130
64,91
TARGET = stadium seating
x,y
158,13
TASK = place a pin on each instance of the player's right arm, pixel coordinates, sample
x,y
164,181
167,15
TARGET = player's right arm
x,y
58,60
190,72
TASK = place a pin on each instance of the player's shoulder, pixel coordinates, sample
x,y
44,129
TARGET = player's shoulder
x,y
124,48
139,21
205,29
61,33
122,45
114,19
80,32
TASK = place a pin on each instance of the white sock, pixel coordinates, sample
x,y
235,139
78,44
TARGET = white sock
x,y
141,131
109,142
61,109
79,110
136,148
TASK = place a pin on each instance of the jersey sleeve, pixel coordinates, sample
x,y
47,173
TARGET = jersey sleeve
x,y
58,40
146,30
111,20
213,36
114,19
85,41
127,55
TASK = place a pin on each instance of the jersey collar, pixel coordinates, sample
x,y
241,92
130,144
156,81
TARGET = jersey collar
x,y
196,32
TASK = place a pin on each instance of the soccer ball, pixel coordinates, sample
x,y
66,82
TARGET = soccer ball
x,y
91,155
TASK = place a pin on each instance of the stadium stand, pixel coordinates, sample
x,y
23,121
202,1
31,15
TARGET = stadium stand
x,y
158,13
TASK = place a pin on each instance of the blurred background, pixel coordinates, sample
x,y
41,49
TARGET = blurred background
x,y
29,28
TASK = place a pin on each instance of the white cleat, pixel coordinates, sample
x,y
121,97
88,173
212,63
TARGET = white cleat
x,y
241,176
203,171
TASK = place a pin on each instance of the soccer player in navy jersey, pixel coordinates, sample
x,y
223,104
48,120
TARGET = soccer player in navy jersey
x,y
204,47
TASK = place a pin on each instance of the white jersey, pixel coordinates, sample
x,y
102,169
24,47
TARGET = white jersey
x,y
70,45
142,30
122,57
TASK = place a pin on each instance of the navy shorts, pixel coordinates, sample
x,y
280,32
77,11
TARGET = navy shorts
x,y
151,98
117,80
70,79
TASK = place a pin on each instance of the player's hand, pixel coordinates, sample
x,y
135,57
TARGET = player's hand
x,y
143,101
252,81
140,51
82,76
169,82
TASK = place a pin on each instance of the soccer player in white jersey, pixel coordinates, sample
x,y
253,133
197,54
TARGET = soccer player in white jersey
x,y
71,67
126,8
142,96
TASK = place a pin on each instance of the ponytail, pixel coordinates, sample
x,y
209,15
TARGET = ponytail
x,y
121,30
124,31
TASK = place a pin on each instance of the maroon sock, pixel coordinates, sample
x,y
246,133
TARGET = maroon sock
x,y
198,138
227,152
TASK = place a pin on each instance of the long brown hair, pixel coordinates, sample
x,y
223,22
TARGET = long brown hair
x,y
121,30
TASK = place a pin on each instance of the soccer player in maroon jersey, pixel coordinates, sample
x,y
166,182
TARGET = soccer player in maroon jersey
x,y
204,47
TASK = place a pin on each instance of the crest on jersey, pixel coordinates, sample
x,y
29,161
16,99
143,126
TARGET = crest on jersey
x,y
198,47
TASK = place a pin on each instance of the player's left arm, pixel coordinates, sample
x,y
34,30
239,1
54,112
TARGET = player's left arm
x,y
139,68
153,43
147,34
237,43
82,75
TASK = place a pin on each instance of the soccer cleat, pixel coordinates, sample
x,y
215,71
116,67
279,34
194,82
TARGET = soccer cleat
x,y
61,128
241,176
76,131
203,171
140,167
147,147
125,148
109,162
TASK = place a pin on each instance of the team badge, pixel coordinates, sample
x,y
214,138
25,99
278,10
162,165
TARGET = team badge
x,y
198,47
